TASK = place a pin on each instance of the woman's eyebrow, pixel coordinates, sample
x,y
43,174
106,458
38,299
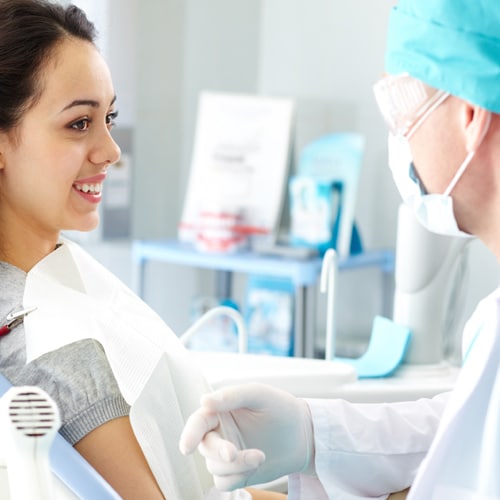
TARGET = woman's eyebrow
x,y
86,102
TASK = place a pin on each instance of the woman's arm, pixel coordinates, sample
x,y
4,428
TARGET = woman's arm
x,y
270,495
265,495
400,495
114,452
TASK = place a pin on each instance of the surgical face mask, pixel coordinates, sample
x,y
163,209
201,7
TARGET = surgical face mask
x,y
434,211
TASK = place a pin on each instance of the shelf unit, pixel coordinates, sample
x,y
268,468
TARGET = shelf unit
x,y
304,274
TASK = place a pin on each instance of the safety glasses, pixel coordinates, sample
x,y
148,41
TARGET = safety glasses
x,y
406,102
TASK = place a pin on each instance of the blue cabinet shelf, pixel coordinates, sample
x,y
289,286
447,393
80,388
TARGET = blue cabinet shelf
x,y
304,273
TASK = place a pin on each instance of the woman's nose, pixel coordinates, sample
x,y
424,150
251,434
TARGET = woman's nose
x,y
106,152
116,152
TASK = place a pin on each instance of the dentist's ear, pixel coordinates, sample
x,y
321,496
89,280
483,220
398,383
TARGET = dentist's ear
x,y
477,125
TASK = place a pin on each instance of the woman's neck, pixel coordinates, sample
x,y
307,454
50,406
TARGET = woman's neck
x,y
25,251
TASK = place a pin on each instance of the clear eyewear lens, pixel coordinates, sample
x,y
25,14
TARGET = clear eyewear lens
x,y
405,102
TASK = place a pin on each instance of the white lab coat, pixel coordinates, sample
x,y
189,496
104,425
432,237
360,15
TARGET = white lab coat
x,y
447,447
77,298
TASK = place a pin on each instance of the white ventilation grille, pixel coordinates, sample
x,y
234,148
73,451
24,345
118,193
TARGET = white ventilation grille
x,y
32,413
29,421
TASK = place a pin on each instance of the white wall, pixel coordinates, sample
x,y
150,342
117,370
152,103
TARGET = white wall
x,y
322,52
115,21
327,54
184,47
221,50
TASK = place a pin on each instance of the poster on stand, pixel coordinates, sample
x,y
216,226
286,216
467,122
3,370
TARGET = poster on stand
x,y
239,168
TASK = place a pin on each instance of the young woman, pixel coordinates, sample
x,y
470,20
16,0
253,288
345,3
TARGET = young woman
x,y
57,108
121,379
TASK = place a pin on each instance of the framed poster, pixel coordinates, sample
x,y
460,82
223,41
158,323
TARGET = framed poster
x,y
240,161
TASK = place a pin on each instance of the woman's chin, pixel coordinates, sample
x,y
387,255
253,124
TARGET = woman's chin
x,y
84,226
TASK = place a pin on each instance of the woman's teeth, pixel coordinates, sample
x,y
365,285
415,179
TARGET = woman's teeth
x,y
89,188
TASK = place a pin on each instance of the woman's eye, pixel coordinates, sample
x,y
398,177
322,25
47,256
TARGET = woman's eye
x,y
111,118
81,125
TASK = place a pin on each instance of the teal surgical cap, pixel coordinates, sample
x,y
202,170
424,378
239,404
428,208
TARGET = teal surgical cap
x,y
452,45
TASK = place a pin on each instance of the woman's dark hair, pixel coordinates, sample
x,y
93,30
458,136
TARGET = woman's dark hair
x,y
29,31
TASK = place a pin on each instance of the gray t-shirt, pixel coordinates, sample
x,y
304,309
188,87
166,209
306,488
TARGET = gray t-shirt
x,y
77,376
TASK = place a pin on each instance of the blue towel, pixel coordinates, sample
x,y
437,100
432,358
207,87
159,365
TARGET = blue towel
x,y
386,350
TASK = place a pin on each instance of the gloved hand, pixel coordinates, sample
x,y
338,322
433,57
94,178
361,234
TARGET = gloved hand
x,y
250,434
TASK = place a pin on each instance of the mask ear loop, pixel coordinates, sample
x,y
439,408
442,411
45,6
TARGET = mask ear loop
x,y
468,159
459,173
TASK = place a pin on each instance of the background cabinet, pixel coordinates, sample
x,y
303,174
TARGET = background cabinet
x,y
304,273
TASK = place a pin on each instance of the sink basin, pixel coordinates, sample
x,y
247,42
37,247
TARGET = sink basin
x,y
317,378
302,377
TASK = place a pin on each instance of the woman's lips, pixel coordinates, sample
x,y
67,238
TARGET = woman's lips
x,y
90,188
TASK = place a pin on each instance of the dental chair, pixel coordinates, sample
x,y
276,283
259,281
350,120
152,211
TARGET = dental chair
x,y
36,462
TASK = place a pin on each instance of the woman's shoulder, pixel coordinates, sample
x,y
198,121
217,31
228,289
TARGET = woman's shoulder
x,y
12,282
9,271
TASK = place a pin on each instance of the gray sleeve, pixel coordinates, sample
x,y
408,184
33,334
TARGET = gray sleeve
x,y
80,380
77,376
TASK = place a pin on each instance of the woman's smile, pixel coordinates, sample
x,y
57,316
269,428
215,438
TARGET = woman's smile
x,y
90,189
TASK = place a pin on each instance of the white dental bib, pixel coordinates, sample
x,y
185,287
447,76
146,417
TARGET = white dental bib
x,y
77,298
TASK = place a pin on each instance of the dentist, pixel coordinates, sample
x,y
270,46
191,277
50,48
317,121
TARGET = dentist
x,y
441,99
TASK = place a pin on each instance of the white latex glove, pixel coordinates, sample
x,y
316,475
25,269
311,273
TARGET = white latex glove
x,y
250,434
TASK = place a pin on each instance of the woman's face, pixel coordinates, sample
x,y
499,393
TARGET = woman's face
x,y
53,166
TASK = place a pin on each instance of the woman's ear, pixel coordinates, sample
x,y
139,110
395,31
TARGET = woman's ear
x,y
476,126
2,156
4,144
